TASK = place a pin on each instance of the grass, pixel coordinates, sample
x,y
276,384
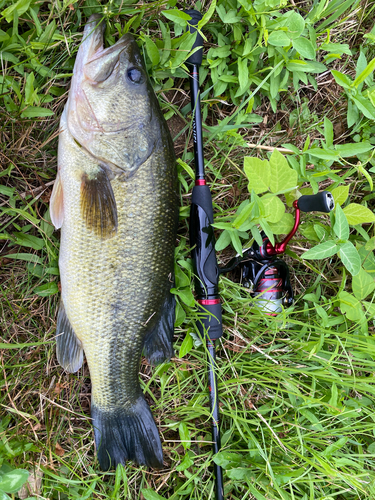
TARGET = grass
x,y
296,390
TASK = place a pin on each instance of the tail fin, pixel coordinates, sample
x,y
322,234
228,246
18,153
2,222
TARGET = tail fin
x,y
127,434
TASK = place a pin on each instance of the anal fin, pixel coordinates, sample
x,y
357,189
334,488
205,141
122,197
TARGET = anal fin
x,y
158,346
69,348
98,204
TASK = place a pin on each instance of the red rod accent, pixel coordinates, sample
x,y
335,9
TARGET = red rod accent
x,y
208,302
200,182
280,248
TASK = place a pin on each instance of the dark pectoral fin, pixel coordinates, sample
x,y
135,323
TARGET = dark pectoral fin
x,y
69,349
98,204
158,346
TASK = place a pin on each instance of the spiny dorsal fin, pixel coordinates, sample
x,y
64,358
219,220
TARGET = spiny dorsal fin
x,y
56,204
69,349
98,204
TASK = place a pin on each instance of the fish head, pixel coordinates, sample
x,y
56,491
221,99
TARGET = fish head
x,y
112,109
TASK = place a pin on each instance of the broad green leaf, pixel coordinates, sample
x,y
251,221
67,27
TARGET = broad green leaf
x,y
180,315
350,258
267,230
36,112
236,242
186,346
351,307
367,175
243,73
244,216
28,257
365,73
312,418
364,105
177,16
274,208
152,51
294,22
223,240
207,16
225,459
322,251
305,67
324,154
332,448
341,226
284,226
337,48
7,191
12,481
358,214
283,178
186,463
29,89
243,474
352,115
180,277
27,240
3,36
21,7
185,295
47,289
150,494
354,149
328,132
259,174
334,394
361,64
304,47
362,284
184,434
341,79
279,39
340,194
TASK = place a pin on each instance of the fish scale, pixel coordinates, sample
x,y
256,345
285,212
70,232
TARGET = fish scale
x,y
117,248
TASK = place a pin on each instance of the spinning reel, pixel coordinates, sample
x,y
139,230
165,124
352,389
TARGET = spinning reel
x,y
266,275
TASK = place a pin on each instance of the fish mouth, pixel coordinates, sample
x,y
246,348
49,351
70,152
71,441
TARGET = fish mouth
x,y
94,37
94,64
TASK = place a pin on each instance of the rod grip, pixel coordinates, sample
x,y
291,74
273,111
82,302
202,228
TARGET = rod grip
x,y
320,202
210,322
196,58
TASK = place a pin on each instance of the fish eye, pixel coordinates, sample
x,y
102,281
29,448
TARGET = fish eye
x,y
135,75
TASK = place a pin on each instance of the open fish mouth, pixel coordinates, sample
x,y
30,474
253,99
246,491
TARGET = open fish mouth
x,y
93,67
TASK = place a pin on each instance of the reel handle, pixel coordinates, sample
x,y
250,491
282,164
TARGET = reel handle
x,y
319,202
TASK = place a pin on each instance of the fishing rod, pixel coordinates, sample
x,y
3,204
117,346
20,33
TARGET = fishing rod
x,y
202,242
262,268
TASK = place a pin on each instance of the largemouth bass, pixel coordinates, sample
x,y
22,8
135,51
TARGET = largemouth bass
x,y
116,203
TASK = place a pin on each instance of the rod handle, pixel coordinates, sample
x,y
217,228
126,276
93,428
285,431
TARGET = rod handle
x,y
202,241
320,202
196,58
210,322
